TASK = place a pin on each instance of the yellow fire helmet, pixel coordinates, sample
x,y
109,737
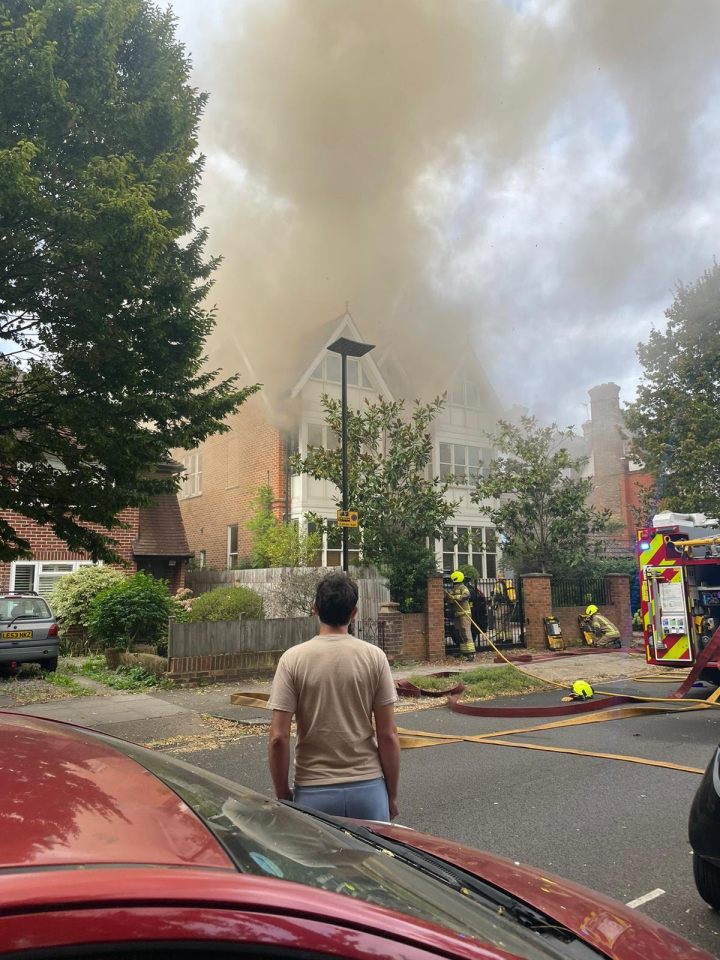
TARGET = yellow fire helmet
x,y
582,690
457,576
591,610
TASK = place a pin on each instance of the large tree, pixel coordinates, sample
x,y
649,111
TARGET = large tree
x,y
534,495
674,422
102,267
403,509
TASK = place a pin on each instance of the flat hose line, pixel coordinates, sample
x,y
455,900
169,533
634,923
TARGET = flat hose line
x,y
577,714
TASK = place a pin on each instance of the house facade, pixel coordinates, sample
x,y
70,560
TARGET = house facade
x,y
222,477
152,539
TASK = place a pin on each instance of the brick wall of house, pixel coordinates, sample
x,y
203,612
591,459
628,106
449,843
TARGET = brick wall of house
x,y
537,603
234,465
46,546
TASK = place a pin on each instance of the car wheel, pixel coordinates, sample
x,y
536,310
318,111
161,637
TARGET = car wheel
x,y
49,664
707,881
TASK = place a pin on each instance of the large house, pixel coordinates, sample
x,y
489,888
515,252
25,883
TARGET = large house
x,y
222,476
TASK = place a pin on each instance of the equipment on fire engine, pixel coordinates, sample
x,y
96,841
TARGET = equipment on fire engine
x,y
679,565
553,633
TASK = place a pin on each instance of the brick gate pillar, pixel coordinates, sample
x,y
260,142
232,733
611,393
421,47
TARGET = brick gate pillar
x,y
618,594
435,618
537,603
390,621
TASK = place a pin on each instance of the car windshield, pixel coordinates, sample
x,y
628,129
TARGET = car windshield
x,y
24,608
270,839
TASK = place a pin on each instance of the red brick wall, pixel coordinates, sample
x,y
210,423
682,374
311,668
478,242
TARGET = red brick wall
x,y
414,642
537,603
617,610
46,546
235,464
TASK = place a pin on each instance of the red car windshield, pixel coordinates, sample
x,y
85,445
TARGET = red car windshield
x,y
270,839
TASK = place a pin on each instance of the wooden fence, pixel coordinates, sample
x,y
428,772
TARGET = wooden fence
x,y
213,639
271,582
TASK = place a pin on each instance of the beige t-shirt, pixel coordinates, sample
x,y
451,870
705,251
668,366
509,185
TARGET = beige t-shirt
x,y
332,684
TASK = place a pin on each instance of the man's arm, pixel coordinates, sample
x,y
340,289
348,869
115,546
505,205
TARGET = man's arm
x,y
279,753
389,750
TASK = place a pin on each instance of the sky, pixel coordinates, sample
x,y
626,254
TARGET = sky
x,y
522,180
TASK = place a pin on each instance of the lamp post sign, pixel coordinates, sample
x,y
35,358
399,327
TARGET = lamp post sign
x,y
347,518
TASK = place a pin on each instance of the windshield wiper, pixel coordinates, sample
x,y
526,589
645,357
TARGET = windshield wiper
x,y
455,877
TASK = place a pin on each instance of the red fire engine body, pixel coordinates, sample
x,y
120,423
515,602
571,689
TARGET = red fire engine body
x,y
679,563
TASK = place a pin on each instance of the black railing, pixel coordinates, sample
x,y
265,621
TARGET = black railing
x,y
578,591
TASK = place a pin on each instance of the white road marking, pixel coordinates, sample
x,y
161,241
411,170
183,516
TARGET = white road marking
x,y
645,898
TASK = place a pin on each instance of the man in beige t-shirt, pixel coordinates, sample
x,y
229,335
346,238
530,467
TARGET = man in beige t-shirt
x,y
335,685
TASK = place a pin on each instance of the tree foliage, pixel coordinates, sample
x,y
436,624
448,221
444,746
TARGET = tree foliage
x,y
537,501
674,421
401,506
102,267
72,597
227,603
136,610
278,543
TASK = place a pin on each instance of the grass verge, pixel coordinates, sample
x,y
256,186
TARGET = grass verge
x,y
121,678
29,684
484,683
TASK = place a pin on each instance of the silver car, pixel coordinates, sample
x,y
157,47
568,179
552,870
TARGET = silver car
x,y
28,631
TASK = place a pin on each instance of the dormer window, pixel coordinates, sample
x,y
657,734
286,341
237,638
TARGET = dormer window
x,y
329,370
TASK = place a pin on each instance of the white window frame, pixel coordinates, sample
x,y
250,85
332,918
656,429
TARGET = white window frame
x,y
357,375
230,555
40,571
191,484
464,475
477,553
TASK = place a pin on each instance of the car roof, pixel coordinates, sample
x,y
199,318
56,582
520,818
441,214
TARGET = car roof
x,y
72,798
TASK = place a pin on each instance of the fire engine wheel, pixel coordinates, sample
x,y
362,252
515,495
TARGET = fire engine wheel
x,y
707,881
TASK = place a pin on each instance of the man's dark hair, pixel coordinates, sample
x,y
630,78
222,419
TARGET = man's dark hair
x,y
335,599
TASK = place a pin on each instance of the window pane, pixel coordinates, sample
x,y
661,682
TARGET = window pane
x,y
366,382
334,558
353,376
334,535
462,558
490,539
333,440
46,582
456,396
56,568
491,571
24,579
471,395
333,368
446,470
233,538
473,456
448,561
445,453
460,458
315,435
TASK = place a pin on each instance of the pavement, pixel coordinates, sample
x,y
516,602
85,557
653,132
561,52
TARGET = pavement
x,y
617,827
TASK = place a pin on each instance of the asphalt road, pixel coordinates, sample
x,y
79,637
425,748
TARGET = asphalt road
x,y
617,827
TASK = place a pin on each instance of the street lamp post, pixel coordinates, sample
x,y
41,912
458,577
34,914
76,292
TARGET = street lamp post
x,y
346,348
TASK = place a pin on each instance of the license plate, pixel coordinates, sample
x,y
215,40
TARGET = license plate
x,y
17,634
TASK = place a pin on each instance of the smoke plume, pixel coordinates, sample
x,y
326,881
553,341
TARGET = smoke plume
x,y
487,177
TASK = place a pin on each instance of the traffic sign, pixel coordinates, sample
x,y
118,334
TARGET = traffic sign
x,y
347,518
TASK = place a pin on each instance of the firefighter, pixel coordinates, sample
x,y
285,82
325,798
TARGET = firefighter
x,y
461,603
605,633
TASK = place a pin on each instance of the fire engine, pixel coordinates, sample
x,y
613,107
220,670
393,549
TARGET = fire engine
x,y
679,564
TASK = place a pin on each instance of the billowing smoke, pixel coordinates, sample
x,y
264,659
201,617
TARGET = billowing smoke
x,y
470,175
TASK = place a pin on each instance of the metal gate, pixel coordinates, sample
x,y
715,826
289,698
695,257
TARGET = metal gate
x,y
370,630
497,609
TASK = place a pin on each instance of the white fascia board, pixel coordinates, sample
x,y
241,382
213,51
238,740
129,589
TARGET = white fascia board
x,y
345,324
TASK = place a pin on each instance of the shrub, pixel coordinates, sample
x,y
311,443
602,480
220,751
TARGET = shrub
x,y
134,611
228,603
71,601
469,571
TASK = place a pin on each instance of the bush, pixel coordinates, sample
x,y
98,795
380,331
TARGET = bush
x,y
228,603
134,611
71,601
469,571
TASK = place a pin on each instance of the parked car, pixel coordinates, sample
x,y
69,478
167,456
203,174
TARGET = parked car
x,y
704,830
112,850
28,631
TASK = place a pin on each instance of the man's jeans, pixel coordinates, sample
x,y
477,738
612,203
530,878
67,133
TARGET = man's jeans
x,y
358,799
